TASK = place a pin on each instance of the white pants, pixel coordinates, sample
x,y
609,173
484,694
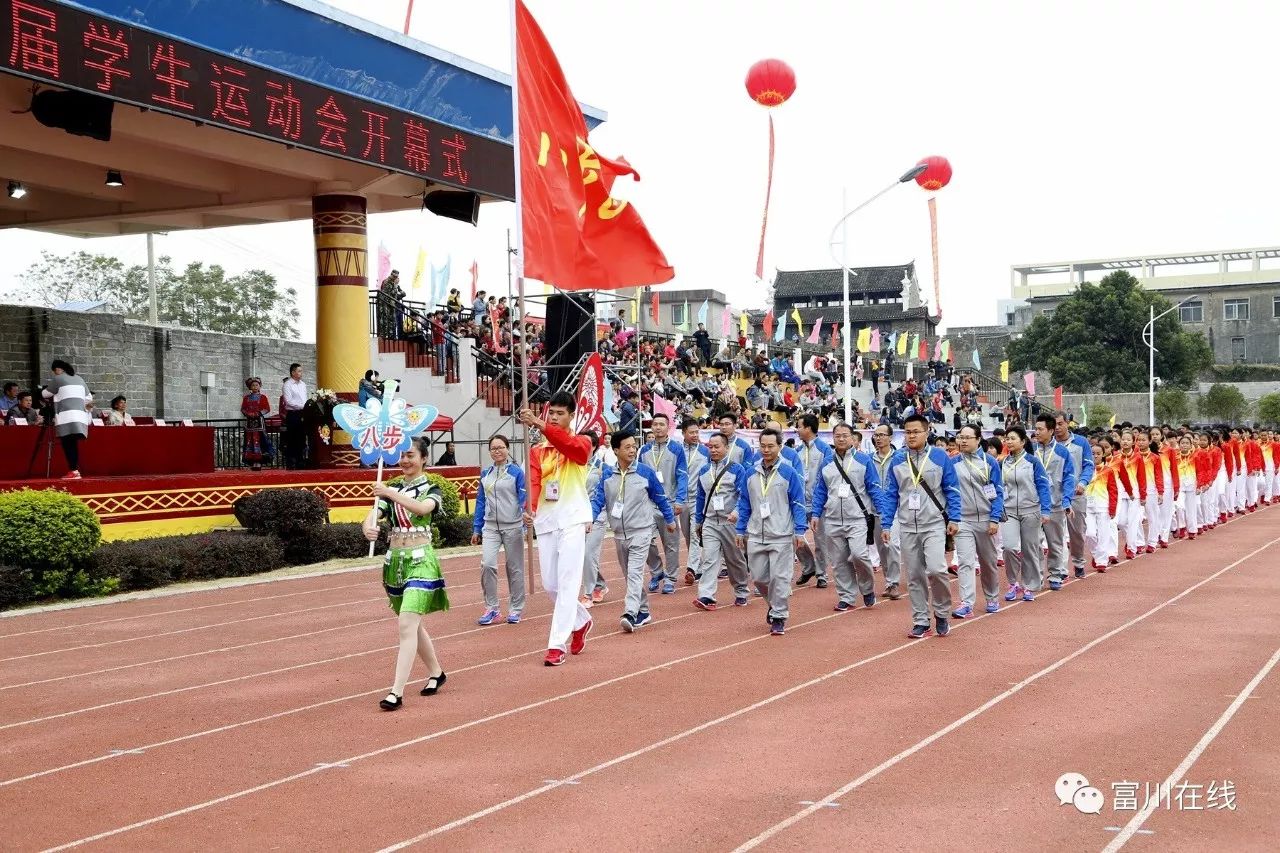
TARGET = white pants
x,y
1222,487
1129,520
1209,505
1166,510
1151,512
1238,489
560,558
1188,506
1251,486
1098,535
1269,480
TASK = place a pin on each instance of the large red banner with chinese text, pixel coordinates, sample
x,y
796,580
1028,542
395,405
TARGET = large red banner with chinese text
x,y
576,235
49,41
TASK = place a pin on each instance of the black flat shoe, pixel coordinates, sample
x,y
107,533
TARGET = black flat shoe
x,y
388,705
434,683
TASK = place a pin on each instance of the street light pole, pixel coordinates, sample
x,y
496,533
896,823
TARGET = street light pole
x,y
1149,338
840,225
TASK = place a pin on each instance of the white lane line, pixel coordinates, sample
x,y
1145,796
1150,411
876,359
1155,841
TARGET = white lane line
x,y
986,706
1180,772
173,591
551,785
480,721
76,625
201,653
455,605
291,711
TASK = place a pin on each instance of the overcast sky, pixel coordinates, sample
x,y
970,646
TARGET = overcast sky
x,y
1076,131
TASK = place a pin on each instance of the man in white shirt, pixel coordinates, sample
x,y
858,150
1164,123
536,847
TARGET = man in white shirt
x,y
295,397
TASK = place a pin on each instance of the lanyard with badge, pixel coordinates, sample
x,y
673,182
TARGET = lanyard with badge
x,y
717,500
913,497
622,495
657,460
984,478
765,482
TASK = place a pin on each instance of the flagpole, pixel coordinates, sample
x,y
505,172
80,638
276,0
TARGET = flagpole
x,y
844,268
519,261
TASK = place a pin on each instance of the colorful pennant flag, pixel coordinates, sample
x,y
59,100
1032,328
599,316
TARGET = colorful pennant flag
x,y
726,321
937,350
902,342
685,327
654,307
384,262
864,340
1029,379
782,326
977,361
924,350
817,331
742,324
835,337
1057,398
703,311
420,270
875,339
475,278
1084,415
795,315
1004,371
946,350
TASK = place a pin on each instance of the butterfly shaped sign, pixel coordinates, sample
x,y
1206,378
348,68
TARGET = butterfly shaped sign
x,y
588,414
381,432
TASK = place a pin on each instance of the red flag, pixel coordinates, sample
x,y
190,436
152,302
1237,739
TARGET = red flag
x,y
653,307
924,350
768,325
575,233
1057,397
475,278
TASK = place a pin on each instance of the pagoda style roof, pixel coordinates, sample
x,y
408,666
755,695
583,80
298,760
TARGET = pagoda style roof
x,y
805,284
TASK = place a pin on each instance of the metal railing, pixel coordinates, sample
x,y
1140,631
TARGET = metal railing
x,y
411,322
228,443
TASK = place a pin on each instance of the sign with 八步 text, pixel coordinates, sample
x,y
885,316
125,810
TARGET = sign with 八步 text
x,y
64,46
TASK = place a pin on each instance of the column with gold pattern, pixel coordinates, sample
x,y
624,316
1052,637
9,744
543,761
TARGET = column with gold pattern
x,y
342,291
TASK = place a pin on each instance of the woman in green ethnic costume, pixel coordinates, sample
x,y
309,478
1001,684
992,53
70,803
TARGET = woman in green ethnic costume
x,y
411,572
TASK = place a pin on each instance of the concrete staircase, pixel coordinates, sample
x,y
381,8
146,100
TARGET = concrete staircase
x,y
477,404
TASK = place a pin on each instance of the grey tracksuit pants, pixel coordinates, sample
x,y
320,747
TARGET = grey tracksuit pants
x,y
1055,539
976,553
925,563
1075,530
890,556
695,548
1022,558
632,553
851,561
591,578
772,564
816,557
511,540
719,542
664,551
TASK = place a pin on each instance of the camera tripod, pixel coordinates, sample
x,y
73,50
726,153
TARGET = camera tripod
x,y
46,438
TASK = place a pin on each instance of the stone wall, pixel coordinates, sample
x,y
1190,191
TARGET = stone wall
x,y
157,368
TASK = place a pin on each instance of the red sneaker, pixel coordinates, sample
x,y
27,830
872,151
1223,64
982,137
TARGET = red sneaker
x,y
689,577
597,595
1150,550
70,475
578,640
1191,536
1129,554
1113,561
555,657
1100,567
1164,544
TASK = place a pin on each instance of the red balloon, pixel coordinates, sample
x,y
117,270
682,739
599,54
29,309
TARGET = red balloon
x,y
770,82
937,175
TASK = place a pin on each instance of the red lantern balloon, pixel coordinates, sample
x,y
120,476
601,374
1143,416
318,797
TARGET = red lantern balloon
x,y
937,174
770,82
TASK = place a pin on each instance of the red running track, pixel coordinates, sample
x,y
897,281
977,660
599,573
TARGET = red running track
x,y
247,717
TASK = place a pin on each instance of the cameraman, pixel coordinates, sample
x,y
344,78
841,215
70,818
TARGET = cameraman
x,y
71,402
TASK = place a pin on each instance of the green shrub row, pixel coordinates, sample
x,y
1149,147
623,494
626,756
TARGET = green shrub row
x,y
50,544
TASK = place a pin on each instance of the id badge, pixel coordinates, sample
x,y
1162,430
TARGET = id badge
x,y
764,511
616,512
843,491
913,501
551,490
717,503
660,480
989,492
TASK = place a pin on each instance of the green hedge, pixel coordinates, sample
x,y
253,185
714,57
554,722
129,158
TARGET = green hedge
x,y
51,535
1244,373
284,512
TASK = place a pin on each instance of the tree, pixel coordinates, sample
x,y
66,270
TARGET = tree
x,y
200,297
1269,409
1100,414
1172,406
1223,403
1092,342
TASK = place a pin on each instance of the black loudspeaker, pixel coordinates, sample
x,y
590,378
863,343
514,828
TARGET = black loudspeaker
x,y
571,324
454,204
75,112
